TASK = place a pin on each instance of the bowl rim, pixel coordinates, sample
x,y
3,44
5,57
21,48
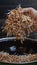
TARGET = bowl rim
x,y
14,38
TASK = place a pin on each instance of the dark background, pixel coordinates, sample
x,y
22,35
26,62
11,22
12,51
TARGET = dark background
x,y
6,5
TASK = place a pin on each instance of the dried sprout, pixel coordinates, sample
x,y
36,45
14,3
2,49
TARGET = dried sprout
x,y
19,25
